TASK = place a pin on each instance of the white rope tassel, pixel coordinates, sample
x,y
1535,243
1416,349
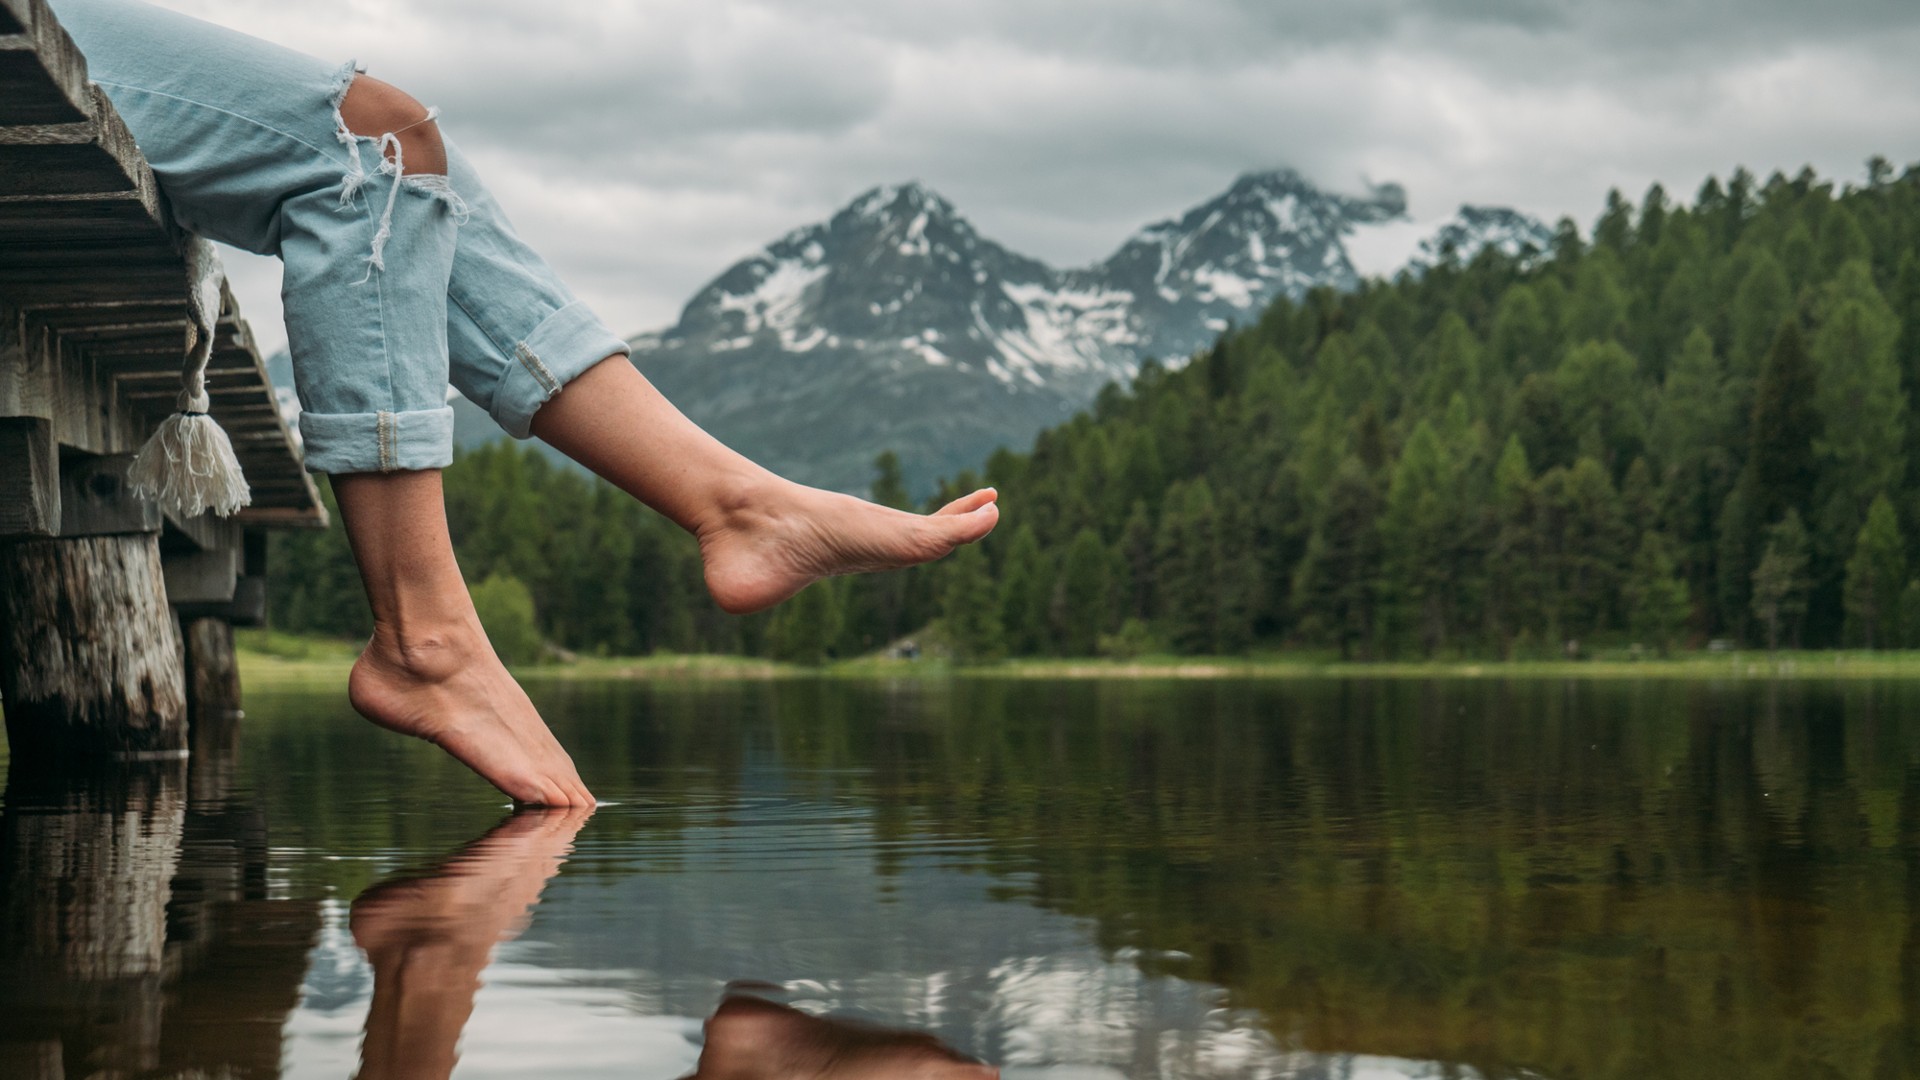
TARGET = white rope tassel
x,y
189,464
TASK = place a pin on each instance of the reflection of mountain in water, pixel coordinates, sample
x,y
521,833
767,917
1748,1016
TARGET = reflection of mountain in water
x,y
786,890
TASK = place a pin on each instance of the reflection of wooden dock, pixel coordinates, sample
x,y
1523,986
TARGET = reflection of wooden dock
x,y
93,328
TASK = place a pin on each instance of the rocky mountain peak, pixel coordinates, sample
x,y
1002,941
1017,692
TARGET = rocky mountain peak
x,y
1476,228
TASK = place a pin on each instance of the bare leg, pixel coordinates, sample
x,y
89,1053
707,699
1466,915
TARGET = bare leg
x,y
429,671
762,538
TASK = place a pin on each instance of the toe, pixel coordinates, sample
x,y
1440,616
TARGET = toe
x,y
966,504
971,526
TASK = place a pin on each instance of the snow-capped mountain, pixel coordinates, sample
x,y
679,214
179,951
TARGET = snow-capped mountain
x,y
1476,228
1223,261
896,325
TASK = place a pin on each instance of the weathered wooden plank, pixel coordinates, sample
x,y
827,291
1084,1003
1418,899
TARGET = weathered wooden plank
x,y
96,499
30,482
43,218
202,532
68,316
15,16
93,155
201,577
43,77
91,663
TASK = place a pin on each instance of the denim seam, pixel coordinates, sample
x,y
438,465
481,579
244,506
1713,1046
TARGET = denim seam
x,y
383,434
224,112
537,369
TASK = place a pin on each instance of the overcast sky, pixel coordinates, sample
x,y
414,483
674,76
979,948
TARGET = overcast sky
x,y
644,146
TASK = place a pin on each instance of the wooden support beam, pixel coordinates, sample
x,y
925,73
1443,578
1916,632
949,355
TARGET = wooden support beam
x,y
202,577
30,482
96,499
43,78
90,655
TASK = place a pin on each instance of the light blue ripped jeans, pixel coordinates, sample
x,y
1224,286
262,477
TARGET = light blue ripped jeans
x,y
396,283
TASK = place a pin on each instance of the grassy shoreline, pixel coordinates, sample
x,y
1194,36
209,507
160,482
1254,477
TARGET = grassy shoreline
x,y
274,657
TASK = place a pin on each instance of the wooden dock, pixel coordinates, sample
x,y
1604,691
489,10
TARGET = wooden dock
x,y
104,600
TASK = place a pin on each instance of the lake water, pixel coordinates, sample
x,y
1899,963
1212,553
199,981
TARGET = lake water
x,y
1072,880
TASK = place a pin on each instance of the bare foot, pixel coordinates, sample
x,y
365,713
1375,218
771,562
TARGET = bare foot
x,y
752,1039
451,690
771,543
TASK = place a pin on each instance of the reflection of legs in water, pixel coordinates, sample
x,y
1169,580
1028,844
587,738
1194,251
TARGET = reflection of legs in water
x,y
428,939
752,1039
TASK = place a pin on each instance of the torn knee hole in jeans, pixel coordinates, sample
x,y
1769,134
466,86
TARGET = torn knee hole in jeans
x,y
392,157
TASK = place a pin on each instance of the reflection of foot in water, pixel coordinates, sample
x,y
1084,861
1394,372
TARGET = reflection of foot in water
x,y
752,1039
429,937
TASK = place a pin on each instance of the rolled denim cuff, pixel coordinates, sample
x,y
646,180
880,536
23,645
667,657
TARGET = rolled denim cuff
x,y
566,343
378,441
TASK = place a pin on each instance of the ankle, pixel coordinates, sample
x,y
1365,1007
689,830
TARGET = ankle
x,y
743,501
429,652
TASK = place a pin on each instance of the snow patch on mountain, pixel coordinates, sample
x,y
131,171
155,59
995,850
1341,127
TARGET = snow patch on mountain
x,y
1477,228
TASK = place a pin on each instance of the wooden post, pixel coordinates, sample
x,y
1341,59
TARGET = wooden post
x,y
90,655
213,706
213,674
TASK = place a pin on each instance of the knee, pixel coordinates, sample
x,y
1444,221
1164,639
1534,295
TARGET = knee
x,y
374,108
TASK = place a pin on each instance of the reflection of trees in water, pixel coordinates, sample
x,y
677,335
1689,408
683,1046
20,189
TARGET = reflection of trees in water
x,y
136,936
1585,879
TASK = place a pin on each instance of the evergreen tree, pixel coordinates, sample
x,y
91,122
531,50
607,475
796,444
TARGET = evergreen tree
x,y
1656,595
1597,310
1421,531
1136,550
1522,339
889,488
968,606
1842,241
806,628
1785,422
1693,427
1763,301
1514,573
1599,395
1587,545
1333,589
1876,576
1081,597
1025,589
1861,448
1780,581
1186,555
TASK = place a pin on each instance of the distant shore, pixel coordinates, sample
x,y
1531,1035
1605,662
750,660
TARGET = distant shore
x,y
274,657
